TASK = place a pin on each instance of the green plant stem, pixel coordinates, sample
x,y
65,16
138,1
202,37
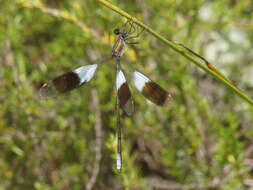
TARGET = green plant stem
x,y
178,49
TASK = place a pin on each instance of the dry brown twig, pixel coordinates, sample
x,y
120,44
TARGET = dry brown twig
x,y
60,14
98,144
216,182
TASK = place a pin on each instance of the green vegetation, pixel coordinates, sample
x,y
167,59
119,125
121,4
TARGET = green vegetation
x,y
201,139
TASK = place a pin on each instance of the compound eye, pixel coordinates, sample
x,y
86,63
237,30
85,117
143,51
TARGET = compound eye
x,y
116,31
125,34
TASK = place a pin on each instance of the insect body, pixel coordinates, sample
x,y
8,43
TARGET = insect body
x,y
119,45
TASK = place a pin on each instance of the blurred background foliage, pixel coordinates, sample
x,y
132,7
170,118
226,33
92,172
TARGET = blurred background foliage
x,y
202,139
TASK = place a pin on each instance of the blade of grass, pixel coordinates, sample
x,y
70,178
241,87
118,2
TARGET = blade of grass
x,y
215,73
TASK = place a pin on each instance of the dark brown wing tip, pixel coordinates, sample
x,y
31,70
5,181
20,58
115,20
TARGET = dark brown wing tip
x,y
66,82
125,99
155,93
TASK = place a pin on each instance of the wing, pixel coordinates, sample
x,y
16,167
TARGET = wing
x,y
150,89
68,81
124,94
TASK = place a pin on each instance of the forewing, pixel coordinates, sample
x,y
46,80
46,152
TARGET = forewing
x,y
124,94
150,89
68,81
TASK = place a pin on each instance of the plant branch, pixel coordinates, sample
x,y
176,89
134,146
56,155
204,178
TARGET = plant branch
x,y
159,183
98,145
181,50
59,14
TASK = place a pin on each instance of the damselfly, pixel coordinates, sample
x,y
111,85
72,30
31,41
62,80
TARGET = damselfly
x,y
84,74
